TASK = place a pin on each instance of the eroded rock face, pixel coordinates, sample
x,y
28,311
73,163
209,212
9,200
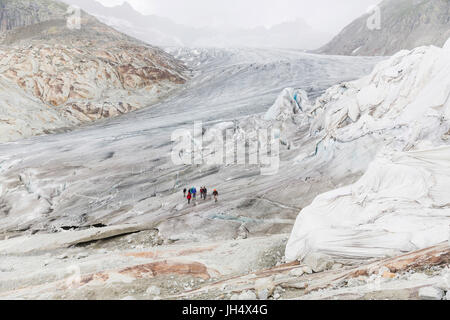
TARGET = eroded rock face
x,y
77,79
81,75
65,76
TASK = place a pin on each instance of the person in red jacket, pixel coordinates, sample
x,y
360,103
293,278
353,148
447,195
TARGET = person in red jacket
x,y
189,197
216,195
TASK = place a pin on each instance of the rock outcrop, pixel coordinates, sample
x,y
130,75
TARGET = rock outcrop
x,y
395,25
77,75
85,82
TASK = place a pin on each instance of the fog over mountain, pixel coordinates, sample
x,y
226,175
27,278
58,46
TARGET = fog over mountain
x,y
160,31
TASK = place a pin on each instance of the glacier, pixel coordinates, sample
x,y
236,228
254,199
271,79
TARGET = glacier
x,y
79,178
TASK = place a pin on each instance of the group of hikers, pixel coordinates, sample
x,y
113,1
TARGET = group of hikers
x,y
192,194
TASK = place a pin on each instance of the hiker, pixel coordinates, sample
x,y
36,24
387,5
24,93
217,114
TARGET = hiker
x,y
216,195
189,197
194,192
184,192
205,192
201,193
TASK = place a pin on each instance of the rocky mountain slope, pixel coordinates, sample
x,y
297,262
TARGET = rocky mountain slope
x,y
405,24
77,75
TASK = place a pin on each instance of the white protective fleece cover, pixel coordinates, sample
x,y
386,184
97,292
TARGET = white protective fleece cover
x,y
401,204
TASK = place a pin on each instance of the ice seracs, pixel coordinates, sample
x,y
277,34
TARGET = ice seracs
x,y
289,102
405,97
401,203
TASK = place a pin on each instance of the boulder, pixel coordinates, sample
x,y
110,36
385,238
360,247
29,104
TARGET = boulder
x,y
153,291
246,295
431,293
298,272
336,266
263,294
318,262
264,288
388,275
307,269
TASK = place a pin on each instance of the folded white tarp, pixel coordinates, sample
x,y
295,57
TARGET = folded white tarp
x,y
402,203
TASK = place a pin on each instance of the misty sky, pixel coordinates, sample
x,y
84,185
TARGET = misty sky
x,y
323,15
